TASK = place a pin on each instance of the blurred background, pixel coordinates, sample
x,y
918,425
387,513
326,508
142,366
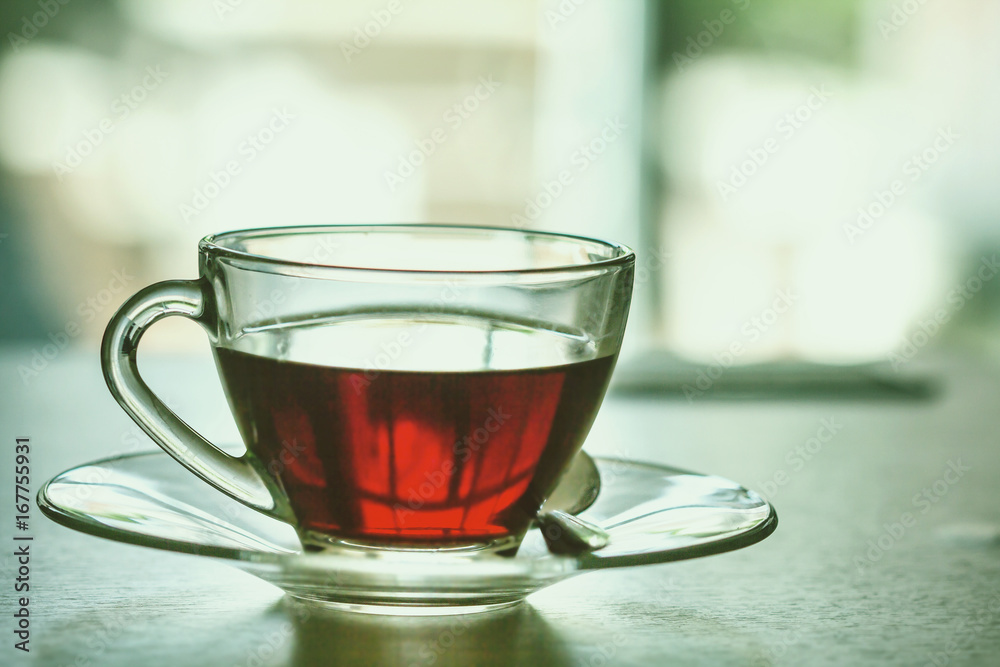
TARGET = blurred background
x,y
810,187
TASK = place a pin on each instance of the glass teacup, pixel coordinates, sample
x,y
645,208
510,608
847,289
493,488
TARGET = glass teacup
x,y
397,387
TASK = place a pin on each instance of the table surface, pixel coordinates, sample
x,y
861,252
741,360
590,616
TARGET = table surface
x,y
842,581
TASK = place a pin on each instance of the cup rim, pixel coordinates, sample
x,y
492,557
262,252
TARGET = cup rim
x,y
211,244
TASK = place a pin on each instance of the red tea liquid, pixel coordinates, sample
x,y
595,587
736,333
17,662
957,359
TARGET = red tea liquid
x,y
419,457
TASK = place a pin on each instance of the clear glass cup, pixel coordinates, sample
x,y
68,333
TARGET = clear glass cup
x,y
397,387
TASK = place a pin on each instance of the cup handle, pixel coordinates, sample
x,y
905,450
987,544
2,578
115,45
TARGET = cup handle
x,y
238,477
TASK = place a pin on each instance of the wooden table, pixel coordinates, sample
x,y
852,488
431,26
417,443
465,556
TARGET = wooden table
x,y
842,581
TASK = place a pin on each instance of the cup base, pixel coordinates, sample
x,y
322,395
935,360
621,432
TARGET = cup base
x,y
319,542
446,609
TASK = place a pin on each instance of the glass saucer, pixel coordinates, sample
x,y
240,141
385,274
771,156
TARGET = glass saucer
x,y
653,514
